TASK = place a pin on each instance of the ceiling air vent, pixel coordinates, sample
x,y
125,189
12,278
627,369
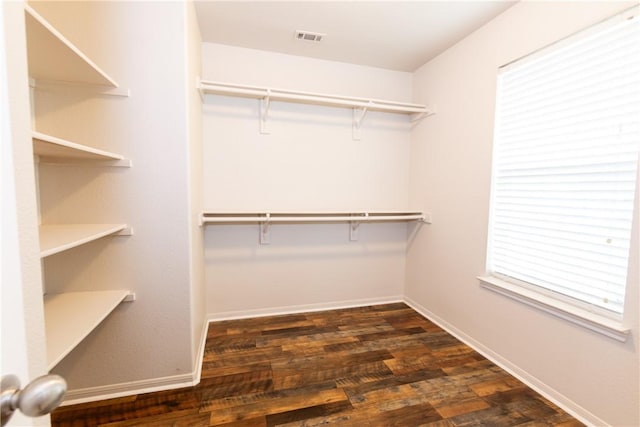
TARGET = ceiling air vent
x,y
309,36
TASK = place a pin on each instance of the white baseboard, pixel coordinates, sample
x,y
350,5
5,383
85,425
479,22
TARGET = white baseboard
x,y
92,394
553,395
200,355
303,308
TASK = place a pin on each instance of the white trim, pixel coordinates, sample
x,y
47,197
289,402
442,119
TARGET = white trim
x,y
200,356
571,313
545,390
92,394
303,308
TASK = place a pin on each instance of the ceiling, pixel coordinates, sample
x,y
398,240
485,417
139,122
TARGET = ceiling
x,y
396,35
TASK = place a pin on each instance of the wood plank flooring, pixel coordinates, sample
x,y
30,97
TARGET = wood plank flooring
x,y
382,365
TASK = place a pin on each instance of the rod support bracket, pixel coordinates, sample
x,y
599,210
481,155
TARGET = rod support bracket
x,y
354,226
359,114
265,235
417,117
265,104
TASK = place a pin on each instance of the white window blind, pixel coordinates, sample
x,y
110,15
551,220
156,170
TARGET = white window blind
x,y
565,167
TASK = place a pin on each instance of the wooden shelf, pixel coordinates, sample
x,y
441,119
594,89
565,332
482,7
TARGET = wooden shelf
x,y
56,150
52,57
70,317
58,238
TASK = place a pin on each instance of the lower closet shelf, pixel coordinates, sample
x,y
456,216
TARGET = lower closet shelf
x,y
69,317
58,238
213,217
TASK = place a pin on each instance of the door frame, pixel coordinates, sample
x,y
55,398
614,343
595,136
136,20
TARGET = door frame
x,y
22,326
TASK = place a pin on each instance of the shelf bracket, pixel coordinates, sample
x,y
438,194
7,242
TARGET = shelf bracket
x,y
127,231
265,104
123,163
354,226
265,236
358,118
419,116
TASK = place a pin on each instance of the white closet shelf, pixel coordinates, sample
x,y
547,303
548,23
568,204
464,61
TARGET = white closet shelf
x,y
310,217
52,57
266,219
70,317
51,149
230,89
60,237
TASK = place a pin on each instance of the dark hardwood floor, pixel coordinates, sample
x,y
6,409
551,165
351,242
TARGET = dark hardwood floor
x,y
382,365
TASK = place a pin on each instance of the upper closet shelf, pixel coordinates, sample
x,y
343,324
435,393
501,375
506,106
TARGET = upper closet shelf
x,y
56,150
265,219
52,57
219,88
360,106
60,237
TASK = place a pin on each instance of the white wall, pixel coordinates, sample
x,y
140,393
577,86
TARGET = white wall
x,y
261,68
310,162
595,376
143,46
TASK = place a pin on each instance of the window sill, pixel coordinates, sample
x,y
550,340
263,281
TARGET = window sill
x,y
578,316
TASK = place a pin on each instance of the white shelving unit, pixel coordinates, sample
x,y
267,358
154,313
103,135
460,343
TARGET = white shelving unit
x,y
360,106
51,149
71,316
265,219
54,60
60,237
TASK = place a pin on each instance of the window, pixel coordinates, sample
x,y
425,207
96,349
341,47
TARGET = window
x,y
566,147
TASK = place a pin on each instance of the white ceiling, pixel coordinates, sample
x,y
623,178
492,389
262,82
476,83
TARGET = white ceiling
x,y
397,35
